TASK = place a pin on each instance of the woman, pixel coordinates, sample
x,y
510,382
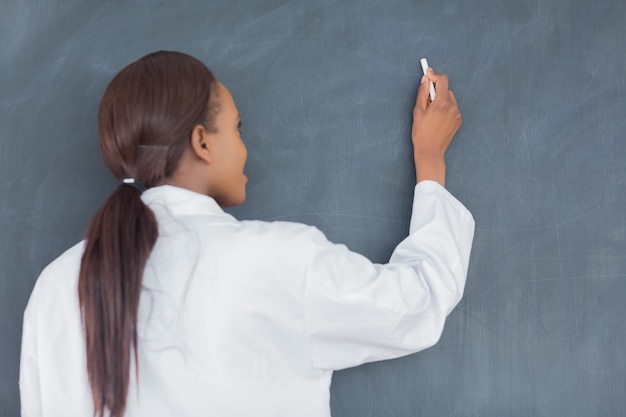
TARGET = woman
x,y
171,307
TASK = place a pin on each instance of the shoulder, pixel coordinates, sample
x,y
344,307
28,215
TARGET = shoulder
x,y
277,242
57,282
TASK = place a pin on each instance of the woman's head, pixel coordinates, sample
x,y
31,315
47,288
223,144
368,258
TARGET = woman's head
x,y
167,109
148,112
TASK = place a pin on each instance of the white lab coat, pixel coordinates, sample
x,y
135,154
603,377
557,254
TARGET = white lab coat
x,y
250,318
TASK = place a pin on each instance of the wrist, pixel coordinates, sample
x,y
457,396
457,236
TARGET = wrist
x,y
431,168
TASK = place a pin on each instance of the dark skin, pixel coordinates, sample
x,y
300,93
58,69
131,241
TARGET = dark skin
x,y
214,161
434,126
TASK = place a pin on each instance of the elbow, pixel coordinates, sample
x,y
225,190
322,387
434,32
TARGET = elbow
x,y
446,286
425,332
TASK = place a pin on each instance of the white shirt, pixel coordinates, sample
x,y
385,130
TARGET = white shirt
x,y
250,318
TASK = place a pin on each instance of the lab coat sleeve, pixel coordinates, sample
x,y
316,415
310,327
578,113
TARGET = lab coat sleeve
x,y
358,312
30,392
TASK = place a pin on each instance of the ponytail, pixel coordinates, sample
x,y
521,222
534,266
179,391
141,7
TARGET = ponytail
x,y
120,238
145,119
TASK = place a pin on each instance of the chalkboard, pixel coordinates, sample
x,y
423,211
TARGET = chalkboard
x,y
325,90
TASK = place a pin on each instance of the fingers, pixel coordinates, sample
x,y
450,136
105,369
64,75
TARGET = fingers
x,y
444,96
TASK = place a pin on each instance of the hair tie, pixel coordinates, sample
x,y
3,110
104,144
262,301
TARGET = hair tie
x,y
136,184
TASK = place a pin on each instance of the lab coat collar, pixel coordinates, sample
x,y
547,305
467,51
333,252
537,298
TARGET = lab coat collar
x,y
181,200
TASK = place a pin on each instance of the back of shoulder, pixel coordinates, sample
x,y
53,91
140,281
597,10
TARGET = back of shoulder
x,y
282,233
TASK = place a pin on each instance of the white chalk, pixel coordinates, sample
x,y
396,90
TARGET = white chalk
x,y
432,85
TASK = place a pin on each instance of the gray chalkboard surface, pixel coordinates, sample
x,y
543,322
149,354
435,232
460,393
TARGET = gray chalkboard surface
x,y
325,90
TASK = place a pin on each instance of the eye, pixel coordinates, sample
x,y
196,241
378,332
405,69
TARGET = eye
x,y
239,127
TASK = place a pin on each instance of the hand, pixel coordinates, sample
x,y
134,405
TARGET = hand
x,y
434,125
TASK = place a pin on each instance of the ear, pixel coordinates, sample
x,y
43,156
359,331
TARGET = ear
x,y
201,143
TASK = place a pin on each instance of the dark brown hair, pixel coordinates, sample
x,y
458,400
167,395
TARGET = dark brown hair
x,y
145,120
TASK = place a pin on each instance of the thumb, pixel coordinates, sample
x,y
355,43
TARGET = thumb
x,y
422,94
